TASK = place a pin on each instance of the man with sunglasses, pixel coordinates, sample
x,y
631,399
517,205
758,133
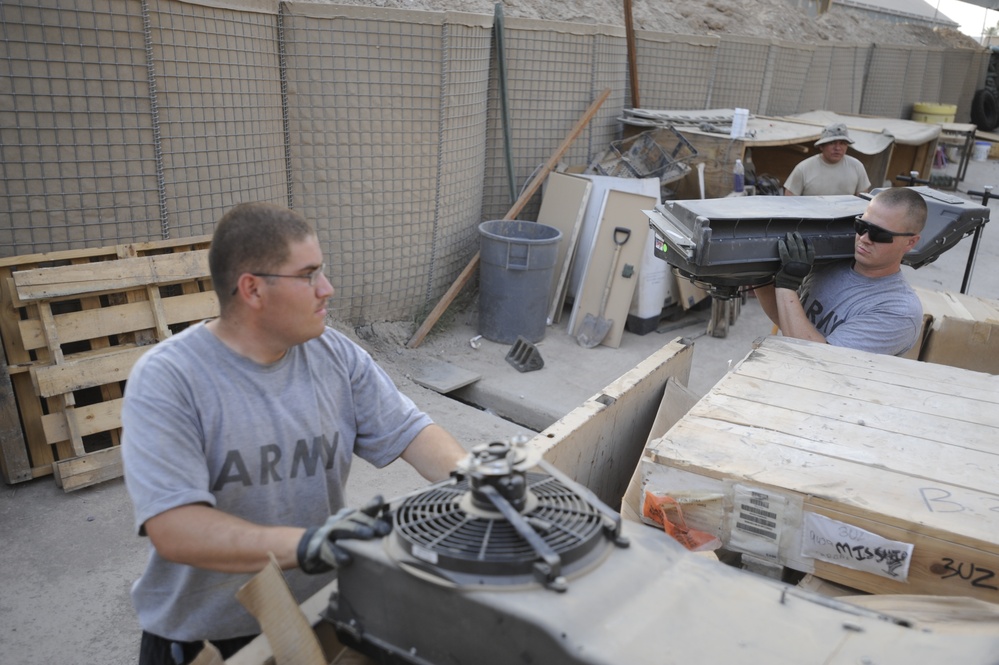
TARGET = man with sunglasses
x,y
831,172
239,434
864,302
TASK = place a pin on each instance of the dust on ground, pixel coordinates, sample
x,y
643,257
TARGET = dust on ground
x,y
386,340
751,18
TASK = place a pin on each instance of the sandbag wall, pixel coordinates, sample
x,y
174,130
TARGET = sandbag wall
x,y
141,120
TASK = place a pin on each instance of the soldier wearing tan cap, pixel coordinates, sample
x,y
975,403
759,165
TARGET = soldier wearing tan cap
x,y
830,172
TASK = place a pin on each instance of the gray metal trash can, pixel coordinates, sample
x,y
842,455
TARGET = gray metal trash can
x,y
516,264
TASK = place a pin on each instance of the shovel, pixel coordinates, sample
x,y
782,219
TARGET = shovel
x,y
594,328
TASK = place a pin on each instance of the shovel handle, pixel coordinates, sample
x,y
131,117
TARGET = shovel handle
x,y
621,231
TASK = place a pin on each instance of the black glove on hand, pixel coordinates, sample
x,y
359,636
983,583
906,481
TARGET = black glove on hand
x,y
317,550
796,258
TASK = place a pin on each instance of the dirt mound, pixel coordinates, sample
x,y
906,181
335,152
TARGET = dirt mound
x,y
752,18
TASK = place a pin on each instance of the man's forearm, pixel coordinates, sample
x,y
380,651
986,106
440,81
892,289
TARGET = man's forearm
x,y
434,453
791,317
768,301
204,537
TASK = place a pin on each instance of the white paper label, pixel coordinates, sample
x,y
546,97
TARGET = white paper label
x,y
757,520
852,547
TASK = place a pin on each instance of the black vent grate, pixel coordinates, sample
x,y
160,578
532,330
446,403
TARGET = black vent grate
x,y
434,526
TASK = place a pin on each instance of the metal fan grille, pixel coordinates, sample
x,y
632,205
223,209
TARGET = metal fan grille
x,y
434,521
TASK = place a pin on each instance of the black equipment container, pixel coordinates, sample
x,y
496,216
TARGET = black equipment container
x,y
725,244
950,218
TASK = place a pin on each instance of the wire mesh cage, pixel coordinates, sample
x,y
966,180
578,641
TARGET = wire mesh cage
x,y
660,153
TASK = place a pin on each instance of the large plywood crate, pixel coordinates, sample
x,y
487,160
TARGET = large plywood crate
x,y
72,325
875,472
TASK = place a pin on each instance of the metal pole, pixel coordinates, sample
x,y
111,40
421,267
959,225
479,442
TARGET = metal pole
x,y
973,252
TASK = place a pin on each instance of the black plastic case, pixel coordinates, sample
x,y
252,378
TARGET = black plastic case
x,y
733,241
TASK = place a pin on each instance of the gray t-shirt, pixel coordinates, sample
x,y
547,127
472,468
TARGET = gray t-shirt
x,y
876,314
269,443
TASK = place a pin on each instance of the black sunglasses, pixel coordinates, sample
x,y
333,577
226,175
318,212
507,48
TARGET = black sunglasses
x,y
875,232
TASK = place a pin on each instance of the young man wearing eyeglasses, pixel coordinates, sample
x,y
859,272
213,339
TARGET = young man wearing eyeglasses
x,y
239,434
862,303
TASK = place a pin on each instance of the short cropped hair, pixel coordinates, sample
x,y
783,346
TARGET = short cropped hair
x,y
904,197
252,237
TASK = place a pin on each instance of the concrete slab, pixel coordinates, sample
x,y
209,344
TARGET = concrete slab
x,y
443,377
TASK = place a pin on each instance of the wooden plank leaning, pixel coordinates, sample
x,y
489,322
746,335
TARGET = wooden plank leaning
x,y
535,184
14,463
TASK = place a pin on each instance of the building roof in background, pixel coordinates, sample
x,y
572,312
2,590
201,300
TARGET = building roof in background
x,y
917,9
987,4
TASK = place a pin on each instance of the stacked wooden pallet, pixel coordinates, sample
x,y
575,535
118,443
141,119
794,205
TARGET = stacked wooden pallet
x,y
72,324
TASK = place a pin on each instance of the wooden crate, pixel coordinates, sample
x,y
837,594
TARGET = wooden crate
x,y
963,330
875,472
72,325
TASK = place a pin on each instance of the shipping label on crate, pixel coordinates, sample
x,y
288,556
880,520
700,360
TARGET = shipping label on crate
x,y
757,521
852,547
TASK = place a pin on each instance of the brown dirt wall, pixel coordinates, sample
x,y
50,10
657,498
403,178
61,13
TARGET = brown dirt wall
x,y
754,18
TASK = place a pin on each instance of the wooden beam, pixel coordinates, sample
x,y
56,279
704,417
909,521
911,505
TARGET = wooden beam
x,y
539,178
86,372
104,276
121,319
14,464
88,469
92,418
629,29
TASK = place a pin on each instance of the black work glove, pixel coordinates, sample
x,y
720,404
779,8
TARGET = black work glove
x,y
796,258
317,550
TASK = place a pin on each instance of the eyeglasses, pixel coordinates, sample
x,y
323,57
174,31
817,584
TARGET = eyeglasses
x,y
311,277
875,232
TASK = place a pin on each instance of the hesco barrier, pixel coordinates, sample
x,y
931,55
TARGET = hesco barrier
x,y
126,120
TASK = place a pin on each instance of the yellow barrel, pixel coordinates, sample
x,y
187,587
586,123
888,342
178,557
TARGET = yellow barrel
x,y
933,113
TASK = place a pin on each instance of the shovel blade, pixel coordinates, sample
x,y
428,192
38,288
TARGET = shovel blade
x,y
593,330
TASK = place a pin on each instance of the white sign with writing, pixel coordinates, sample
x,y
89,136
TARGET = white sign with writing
x,y
855,548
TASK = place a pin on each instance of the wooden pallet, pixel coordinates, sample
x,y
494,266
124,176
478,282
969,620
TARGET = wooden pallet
x,y
72,324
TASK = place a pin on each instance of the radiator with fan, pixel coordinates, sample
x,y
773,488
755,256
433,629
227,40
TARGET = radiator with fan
x,y
510,561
